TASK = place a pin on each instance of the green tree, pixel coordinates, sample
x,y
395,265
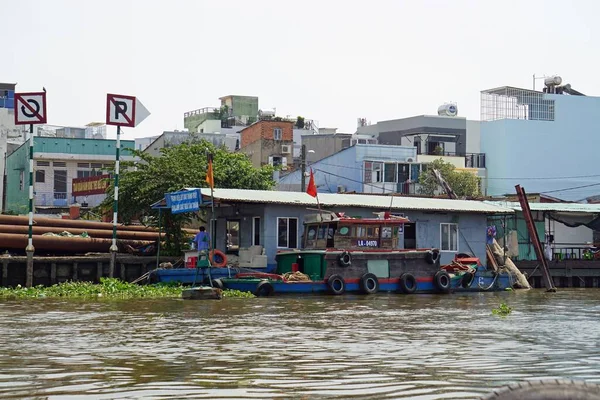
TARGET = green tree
x,y
179,167
300,122
463,183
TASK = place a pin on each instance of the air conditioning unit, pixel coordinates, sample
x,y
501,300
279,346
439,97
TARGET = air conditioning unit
x,y
286,149
410,159
341,189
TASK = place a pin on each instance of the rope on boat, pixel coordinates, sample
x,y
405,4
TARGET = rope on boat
x,y
296,277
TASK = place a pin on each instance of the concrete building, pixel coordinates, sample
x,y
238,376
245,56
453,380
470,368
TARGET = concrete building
x,y
234,111
11,135
57,162
541,135
369,168
168,139
324,145
268,142
274,219
432,135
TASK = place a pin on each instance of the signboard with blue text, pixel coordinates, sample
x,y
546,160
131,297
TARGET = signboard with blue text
x,y
184,201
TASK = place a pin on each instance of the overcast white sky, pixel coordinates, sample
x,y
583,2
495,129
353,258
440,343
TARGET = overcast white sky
x,y
332,61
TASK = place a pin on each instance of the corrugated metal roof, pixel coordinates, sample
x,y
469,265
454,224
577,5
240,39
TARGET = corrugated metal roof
x,y
355,200
551,207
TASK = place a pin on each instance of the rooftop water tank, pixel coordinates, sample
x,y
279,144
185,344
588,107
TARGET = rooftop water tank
x,y
448,110
553,80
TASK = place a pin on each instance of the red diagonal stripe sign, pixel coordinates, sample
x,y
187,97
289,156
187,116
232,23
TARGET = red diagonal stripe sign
x,y
30,108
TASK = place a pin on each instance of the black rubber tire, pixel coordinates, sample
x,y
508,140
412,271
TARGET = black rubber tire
x,y
345,259
432,256
441,280
264,289
407,283
467,280
369,284
217,283
546,390
336,284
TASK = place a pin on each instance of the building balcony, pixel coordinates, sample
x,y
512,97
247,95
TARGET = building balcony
x,y
65,199
472,160
52,199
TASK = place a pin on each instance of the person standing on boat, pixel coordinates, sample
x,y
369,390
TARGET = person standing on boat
x,y
202,240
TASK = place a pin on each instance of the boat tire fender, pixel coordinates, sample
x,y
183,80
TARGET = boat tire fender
x,y
336,284
467,280
345,259
217,283
441,279
369,284
555,389
432,256
218,259
264,289
407,283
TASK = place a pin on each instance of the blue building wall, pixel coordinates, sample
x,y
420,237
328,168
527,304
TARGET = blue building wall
x,y
565,147
346,167
472,227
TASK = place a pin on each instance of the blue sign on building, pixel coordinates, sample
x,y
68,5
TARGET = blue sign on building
x,y
184,201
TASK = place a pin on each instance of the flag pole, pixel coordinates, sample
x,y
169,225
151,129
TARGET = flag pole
x,y
211,177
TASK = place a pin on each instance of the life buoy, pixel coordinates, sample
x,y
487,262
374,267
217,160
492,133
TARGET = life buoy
x,y
345,259
217,258
336,284
217,283
441,279
432,256
407,283
467,279
369,284
264,288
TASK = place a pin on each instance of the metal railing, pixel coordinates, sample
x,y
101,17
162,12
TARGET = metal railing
x,y
472,160
574,253
52,199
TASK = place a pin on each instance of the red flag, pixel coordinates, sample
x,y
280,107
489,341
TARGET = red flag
x,y
312,188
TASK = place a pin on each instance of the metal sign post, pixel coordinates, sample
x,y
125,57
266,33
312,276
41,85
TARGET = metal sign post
x,y
121,110
30,109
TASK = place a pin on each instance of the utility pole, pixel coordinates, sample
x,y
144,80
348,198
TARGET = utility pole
x,y
303,168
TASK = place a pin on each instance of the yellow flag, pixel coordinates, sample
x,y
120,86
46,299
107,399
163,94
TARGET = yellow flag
x,y
209,175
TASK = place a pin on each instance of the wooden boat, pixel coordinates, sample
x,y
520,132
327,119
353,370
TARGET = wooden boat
x,y
344,254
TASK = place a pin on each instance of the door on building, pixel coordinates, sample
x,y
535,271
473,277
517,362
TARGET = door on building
x,y
410,236
232,236
60,187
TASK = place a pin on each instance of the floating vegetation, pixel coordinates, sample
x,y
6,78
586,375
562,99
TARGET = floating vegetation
x,y
237,293
111,288
503,310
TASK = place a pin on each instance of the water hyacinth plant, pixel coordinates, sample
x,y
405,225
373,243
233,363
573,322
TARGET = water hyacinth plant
x,y
110,288
503,310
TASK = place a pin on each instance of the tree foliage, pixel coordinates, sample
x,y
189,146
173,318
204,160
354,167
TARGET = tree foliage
x,y
463,183
145,182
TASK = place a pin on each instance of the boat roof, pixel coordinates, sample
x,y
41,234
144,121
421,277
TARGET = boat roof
x,y
383,218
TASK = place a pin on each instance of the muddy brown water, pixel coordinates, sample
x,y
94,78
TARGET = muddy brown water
x,y
383,346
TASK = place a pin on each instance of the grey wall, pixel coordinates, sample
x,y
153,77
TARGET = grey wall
x,y
392,131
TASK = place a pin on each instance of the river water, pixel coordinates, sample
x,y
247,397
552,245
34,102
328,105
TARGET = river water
x,y
383,346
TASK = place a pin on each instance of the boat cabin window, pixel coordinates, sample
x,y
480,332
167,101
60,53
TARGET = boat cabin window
x,y
319,236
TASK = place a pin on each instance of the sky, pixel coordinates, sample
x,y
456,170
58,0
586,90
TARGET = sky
x,y
331,61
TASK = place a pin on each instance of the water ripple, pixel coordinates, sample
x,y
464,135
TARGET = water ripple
x,y
375,347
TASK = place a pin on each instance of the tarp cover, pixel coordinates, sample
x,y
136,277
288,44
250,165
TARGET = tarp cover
x,y
574,220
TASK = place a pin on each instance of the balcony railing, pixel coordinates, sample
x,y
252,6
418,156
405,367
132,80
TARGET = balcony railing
x,y
472,160
65,199
52,199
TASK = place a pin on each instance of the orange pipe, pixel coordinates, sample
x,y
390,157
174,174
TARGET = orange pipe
x,y
94,233
73,245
